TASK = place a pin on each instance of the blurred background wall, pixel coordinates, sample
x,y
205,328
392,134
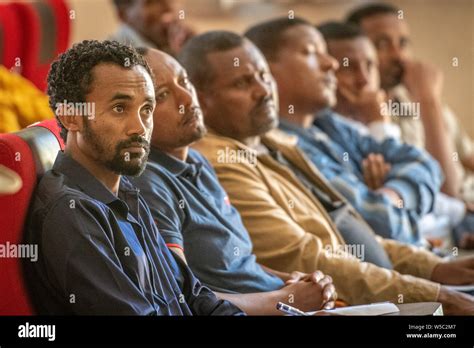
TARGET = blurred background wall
x,y
441,30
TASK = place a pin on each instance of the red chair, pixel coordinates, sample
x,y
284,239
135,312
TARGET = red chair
x,y
30,153
46,30
10,35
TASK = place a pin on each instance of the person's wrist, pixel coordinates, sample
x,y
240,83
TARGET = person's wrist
x,y
436,274
426,96
453,302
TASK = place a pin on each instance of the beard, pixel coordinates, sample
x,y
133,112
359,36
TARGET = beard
x,y
200,130
132,164
264,116
393,76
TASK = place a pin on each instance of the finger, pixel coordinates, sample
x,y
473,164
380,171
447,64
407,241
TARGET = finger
x,y
366,173
380,170
329,292
316,276
325,281
296,275
377,163
330,305
372,172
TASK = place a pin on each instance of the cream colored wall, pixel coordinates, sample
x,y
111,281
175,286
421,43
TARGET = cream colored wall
x,y
441,30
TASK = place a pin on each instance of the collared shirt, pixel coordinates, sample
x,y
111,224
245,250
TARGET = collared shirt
x,y
128,36
193,212
338,151
102,254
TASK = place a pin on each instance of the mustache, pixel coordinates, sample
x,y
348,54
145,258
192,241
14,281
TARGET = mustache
x,y
263,103
133,141
330,78
192,113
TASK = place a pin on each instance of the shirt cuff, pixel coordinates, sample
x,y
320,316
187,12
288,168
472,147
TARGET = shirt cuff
x,y
172,241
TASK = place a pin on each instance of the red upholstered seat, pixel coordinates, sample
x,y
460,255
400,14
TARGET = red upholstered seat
x,y
10,35
29,152
45,34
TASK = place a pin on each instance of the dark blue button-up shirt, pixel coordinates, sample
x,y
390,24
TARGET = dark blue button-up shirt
x,y
193,211
102,254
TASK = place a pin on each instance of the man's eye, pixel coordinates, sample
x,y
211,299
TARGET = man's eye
x,y
118,109
241,83
148,110
162,96
185,81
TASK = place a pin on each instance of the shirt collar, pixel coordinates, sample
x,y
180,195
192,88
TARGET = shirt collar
x,y
188,169
131,36
284,124
81,177
312,131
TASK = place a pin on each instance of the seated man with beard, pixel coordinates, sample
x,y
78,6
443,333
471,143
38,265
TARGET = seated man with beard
x,y
194,214
99,250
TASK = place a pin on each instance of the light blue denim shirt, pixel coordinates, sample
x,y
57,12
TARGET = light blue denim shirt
x,y
337,149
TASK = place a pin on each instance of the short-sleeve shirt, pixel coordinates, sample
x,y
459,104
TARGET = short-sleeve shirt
x,y
193,212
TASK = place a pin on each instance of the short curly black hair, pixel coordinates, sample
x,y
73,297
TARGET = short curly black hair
x,y
70,76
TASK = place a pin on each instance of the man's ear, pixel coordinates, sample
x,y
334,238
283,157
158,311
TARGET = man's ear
x,y
71,123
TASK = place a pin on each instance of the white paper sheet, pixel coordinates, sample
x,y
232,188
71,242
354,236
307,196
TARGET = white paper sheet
x,y
370,309
461,287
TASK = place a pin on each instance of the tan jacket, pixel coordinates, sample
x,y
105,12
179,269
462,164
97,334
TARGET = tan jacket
x,y
290,230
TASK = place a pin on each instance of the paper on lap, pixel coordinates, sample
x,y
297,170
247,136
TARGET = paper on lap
x,y
370,309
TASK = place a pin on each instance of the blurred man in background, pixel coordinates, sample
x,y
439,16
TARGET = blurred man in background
x,y
360,99
152,23
405,80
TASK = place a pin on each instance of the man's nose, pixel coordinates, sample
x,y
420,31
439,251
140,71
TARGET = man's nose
x,y
262,88
184,97
397,53
136,125
362,77
328,62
